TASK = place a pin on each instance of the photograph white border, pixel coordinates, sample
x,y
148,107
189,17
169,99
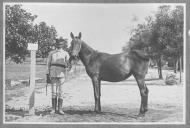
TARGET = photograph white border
x,y
105,123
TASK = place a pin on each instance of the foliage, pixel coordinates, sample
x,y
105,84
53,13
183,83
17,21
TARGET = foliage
x,y
161,36
45,36
174,46
20,30
17,32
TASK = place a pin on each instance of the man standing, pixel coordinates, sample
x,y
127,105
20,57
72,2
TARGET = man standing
x,y
57,68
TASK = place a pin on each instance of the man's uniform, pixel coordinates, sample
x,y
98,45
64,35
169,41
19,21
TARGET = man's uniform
x,y
57,63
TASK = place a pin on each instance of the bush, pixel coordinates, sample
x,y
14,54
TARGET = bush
x,y
171,79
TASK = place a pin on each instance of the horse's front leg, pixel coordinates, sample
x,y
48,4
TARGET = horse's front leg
x,y
144,94
96,86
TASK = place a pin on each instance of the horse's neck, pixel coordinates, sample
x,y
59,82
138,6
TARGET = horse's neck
x,y
86,53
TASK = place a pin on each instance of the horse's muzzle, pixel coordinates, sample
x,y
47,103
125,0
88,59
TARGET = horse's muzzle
x,y
74,57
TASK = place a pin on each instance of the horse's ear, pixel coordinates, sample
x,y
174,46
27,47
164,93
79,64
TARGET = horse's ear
x,y
72,36
80,34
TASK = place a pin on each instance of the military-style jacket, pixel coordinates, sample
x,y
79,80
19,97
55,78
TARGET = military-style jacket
x,y
56,63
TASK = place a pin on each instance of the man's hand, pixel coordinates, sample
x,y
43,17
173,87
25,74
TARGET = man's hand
x,y
69,66
48,80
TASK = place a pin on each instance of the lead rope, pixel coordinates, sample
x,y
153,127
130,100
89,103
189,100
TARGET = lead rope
x,y
46,89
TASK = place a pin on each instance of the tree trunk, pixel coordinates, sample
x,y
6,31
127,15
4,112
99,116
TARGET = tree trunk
x,y
160,67
158,72
175,66
180,65
160,76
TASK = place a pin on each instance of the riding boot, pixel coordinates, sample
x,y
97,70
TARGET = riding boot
x,y
60,103
54,105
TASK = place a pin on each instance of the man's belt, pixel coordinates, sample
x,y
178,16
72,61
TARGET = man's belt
x,y
59,65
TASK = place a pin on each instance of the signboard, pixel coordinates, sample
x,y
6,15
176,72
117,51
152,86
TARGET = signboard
x,y
32,46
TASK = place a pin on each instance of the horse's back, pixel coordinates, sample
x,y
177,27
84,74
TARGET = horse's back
x,y
118,67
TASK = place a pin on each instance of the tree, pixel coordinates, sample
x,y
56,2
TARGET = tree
x,y
45,36
170,32
161,36
18,29
174,49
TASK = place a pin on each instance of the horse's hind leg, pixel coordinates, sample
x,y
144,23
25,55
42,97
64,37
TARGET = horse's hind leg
x,y
144,93
97,89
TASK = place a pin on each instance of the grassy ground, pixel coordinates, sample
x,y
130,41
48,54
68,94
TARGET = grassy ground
x,y
16,72
22,71
165,102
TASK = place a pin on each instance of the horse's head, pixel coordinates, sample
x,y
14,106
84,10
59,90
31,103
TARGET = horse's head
x,y
75,45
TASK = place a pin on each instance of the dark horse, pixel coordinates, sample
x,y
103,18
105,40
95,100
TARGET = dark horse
x,y
112,67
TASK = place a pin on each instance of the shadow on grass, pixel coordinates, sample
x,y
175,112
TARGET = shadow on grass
x,y
131,115
23,113
150,81
20,112
79,112
90,112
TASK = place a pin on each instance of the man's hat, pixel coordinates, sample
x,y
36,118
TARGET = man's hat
x,y
60,42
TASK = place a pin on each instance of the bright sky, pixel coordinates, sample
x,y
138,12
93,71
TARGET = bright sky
x,y
104,27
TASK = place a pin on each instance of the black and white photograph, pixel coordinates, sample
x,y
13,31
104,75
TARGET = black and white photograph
x,y
94,63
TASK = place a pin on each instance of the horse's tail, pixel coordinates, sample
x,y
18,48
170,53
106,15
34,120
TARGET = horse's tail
x,y
141,54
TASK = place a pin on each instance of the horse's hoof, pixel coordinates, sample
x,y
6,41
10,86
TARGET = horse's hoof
x,y
145,109
141,115
97,111
142,112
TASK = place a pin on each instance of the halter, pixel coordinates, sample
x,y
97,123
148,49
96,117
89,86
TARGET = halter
x,y
79,48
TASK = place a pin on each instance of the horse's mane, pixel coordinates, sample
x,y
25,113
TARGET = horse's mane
x,y
87,46
94,53
140,54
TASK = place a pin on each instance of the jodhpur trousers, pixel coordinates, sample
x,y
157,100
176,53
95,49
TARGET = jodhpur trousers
x,y
57,86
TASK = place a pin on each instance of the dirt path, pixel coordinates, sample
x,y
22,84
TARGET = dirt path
x,y
120,103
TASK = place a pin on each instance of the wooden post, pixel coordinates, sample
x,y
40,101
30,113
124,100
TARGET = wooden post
x,y
32,48
32,82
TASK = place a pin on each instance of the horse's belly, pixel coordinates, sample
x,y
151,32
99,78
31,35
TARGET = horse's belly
x,y
114,76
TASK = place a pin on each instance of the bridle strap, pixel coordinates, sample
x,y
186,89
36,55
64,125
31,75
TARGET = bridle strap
x,y
79,48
